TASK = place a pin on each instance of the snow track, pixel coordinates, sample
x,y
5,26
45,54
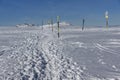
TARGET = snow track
x,y
103,48
38,57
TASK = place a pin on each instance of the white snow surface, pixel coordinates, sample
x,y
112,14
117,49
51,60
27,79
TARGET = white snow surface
x,y
37,54
62,24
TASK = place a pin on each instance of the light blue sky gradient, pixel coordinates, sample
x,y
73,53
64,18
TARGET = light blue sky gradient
x,y
14,12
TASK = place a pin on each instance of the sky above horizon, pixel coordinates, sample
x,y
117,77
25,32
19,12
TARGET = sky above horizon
x,y
14,12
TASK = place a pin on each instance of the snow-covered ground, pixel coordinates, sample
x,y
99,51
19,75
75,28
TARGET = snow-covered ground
x,y
37,54
96,49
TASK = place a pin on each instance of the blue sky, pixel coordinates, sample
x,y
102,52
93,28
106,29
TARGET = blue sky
x,y
14,12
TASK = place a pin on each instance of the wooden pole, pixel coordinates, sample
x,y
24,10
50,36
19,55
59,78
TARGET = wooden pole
x,y
42,24
107,22
58,24
83,24
106,17
52,24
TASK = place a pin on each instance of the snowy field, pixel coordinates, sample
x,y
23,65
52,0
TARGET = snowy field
x,y
36,54
96,49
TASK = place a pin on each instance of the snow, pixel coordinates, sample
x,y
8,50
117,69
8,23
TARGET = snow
x,y
37,54
25,25
95,48
63,24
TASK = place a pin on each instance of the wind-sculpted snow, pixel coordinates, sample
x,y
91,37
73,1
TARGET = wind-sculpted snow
x,y
37,55
97,50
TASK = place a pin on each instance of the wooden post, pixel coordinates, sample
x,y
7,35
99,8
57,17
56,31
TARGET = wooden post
x,y
58,24
42,24
52,24
49,23
106,17
83,23
107,22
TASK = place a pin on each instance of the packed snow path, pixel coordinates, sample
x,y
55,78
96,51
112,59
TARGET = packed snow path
x,y
31,54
